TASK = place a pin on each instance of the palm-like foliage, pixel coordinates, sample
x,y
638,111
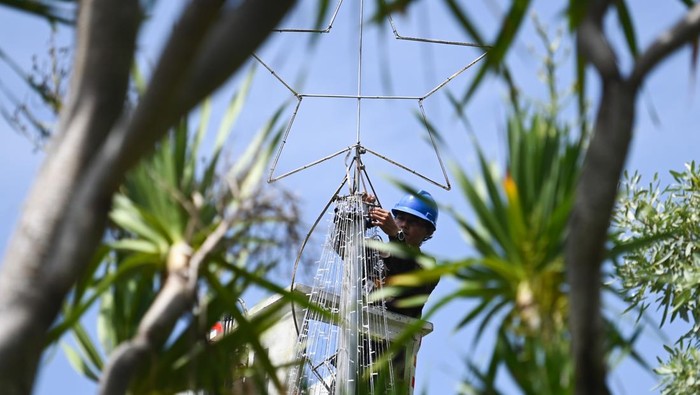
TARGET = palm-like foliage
x,y
518,276
168,205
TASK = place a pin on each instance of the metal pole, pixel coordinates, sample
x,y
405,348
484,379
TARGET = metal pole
x,y
350,302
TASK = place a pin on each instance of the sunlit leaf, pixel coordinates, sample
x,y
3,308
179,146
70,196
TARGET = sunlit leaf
x,y
87,346
78,363
131,218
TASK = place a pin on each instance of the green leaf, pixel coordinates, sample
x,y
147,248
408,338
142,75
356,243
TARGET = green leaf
x,y
136,245
249,329
494,193
233,110
489,221
510,25
245,176
465,21
73,315
321,13
87,346
78,363
575,12
627,25
190,169
125,214
87,277
106,333
475,312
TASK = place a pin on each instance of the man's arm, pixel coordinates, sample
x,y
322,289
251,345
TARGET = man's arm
x,y
382,218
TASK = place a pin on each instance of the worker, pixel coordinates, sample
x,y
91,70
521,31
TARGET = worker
x,y
412,222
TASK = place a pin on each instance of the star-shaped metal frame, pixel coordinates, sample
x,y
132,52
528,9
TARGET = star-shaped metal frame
x,y
355,151
358,149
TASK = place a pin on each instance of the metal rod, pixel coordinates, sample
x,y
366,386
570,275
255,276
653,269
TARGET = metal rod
x,y
431,40
446,187
453,76
275,74
431,134
284,141
365,97
314,163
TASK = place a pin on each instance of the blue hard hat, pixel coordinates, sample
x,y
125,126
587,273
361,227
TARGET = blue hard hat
x,y
422,205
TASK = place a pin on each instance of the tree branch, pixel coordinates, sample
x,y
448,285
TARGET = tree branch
x,y
224,49
688,28
66,212
595,198
29,296
590,220
227,44
594,46
172,301
597,188
175,299
155,111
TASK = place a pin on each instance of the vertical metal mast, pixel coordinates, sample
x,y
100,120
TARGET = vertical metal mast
x,y
350,303
359,71
351,295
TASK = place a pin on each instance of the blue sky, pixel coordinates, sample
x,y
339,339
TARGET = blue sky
x,y
323,126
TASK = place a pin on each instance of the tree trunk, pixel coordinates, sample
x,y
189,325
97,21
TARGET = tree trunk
x,y
597,188
97,142
596,193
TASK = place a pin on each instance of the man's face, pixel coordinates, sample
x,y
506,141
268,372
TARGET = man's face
x,y
413,227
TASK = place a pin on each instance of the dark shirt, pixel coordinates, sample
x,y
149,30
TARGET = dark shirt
x,y
395,265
